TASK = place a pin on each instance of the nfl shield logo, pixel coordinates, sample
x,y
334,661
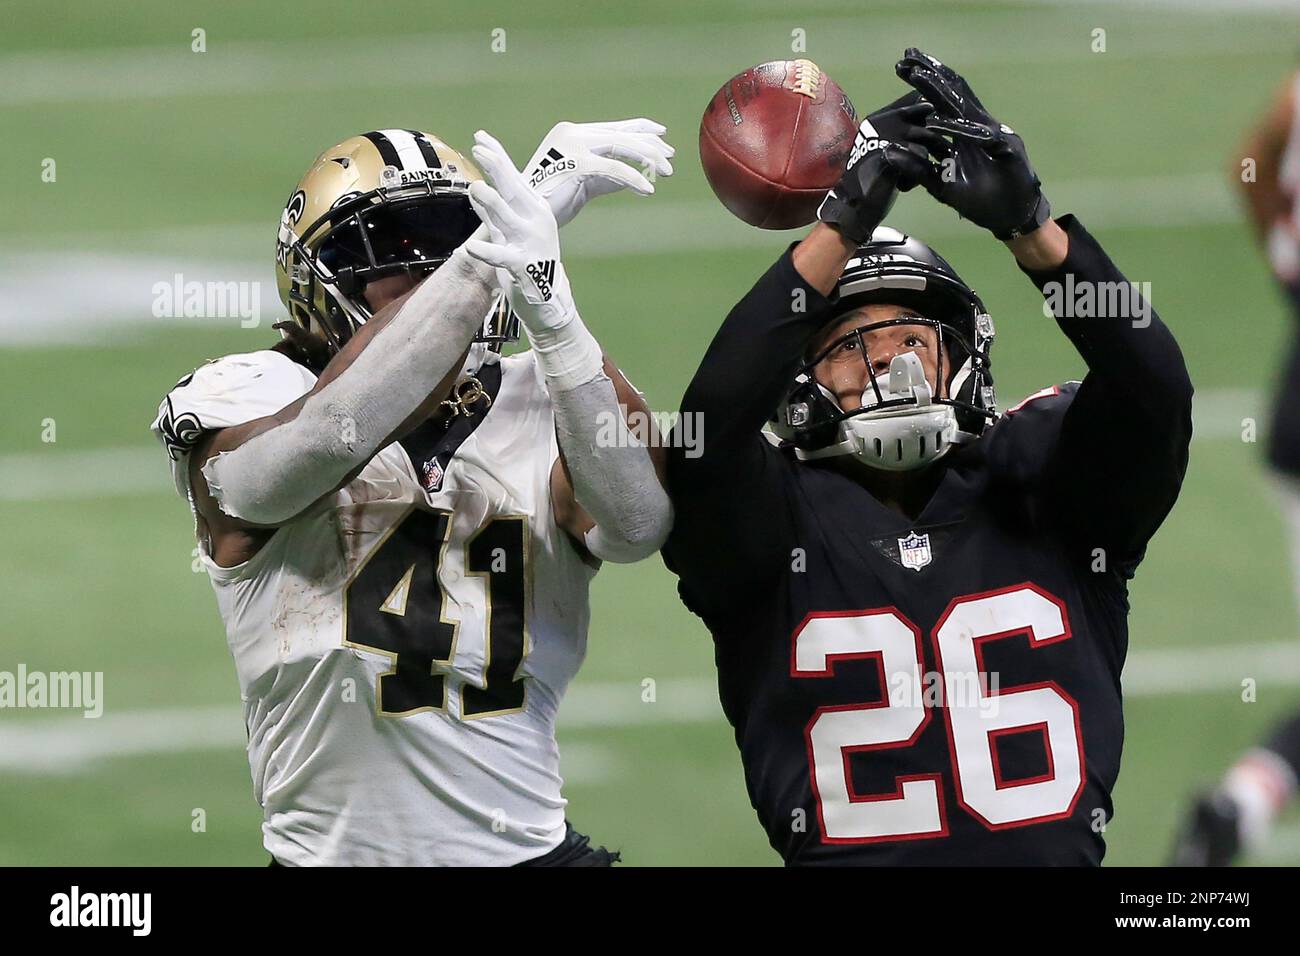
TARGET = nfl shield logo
x,y
914,551
431,475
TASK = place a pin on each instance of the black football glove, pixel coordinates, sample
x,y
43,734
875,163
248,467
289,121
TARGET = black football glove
x,y
985,173
882,162
902,119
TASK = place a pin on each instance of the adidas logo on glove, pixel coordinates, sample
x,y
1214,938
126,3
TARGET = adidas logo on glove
x,y
553,162
863,145
543,276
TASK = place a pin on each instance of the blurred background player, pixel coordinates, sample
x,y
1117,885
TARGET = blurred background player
x,y
400,524
1237,814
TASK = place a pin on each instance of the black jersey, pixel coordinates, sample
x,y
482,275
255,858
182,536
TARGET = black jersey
x,y
1284,432
944,689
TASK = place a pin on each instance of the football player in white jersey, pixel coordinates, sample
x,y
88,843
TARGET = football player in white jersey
x,y
400,524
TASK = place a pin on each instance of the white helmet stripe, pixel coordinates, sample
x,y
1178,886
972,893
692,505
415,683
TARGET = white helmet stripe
x,y
870,283
408,150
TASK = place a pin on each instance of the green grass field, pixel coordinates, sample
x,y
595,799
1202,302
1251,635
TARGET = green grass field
x,y
171,160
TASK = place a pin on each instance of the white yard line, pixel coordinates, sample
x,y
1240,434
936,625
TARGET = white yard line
x,y
85,294
1219,414
1218,669
101,294
56,474
70,744
67,744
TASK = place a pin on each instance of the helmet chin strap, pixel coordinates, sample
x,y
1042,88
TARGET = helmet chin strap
x,y
480,354
898,439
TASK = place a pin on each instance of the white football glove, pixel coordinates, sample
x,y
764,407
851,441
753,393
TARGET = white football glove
x,y
579,161
525,249
525,238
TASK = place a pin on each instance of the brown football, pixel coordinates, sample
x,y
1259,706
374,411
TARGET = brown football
x,y
774,139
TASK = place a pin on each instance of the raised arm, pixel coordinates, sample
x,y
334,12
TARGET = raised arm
x,y
269,470
607,493
1123,447
733,530
1122,450
733,524
751,361
254,475
581,416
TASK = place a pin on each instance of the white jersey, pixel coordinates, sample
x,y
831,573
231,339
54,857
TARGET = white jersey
x,y
403,646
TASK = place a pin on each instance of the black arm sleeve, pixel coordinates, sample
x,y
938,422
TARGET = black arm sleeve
x,y
732,527
1124,439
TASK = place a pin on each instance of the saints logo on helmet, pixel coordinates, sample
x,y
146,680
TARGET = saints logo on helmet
x,y
388,202
903,422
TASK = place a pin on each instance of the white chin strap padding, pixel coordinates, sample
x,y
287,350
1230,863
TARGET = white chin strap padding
x,y
902,440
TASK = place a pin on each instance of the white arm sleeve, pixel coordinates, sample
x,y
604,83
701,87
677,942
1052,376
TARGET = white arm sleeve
x,y
280,473
614,479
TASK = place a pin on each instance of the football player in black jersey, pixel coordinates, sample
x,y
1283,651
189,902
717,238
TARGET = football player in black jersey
x,y
919,604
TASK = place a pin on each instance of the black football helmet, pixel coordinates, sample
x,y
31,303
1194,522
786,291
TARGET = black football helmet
x,y
901,424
